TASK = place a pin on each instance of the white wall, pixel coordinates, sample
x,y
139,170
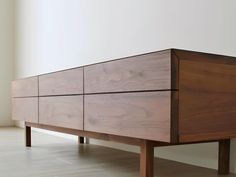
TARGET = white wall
x,y
59,34
6,60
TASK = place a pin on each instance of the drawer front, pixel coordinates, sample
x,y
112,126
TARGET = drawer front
x,y
62,83
25,87
25,109
145,72
62,111
144,115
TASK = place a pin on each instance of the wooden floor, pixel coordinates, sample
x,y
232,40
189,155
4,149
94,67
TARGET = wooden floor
x,y
58,157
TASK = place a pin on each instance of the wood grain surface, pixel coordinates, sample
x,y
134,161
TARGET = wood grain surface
x,y
224,157
144,115
146,159
25,109
89,134
62,83
25,87
144,72
27,136
207,98
62,111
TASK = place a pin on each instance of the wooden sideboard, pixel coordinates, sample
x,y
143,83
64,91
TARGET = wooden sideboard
x,y
162,98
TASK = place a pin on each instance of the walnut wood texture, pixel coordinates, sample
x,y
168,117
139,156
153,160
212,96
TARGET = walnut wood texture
x,y
224,157
144,72
62,111
174,98
146,159
201,87
62,83
207,96
143,115
81,140
102,136
28,136
25,109
107,137
25,87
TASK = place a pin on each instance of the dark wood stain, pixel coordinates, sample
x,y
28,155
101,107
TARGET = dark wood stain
x,y
146,159
224,157
145,72
207,99
28,136
62,83
25,87
174,98
141,115
25,109
64,111
163,98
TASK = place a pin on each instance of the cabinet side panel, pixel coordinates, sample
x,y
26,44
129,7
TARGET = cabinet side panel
x,y
207,98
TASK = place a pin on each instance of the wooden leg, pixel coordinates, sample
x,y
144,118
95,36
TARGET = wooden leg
x,y
146,159
81,140
224,157
28,136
